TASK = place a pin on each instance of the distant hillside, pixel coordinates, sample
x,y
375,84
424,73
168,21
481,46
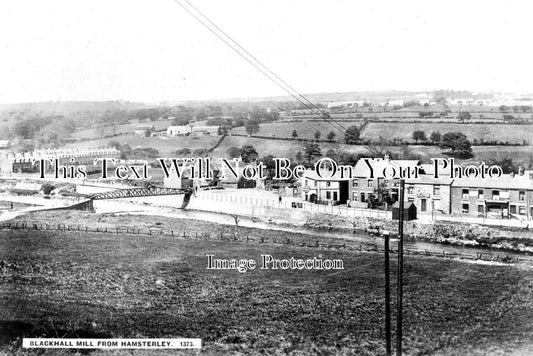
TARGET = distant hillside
x,y
68,107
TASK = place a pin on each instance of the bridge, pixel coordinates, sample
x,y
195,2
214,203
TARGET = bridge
x,y
133,193
139,192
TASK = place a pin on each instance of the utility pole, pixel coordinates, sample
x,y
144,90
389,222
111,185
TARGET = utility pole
x,y
399,288
387,296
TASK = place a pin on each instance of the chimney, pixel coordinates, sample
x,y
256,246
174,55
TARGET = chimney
x,y
387,158
512,174
520,171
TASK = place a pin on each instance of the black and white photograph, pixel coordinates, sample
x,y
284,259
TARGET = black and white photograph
x,y
252,177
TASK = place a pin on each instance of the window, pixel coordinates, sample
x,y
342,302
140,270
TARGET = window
x,y
355,183
512,209
334,195
328,195
480,194
328,184
370,183
496,195
410,189
465,193
522,195
436,190
363,197
521,210
466,208
355,197
411,200
480,209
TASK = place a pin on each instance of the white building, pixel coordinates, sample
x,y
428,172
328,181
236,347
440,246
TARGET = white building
x,y
179,130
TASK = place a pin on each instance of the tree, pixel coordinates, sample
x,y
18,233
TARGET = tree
x,y
504,108
331,154
299,157
508,117
351,136
435,137
311,150
248,153
317,135
506,164
419,135
464,116
233,152
458,143
269,164
331,136
441,100
114,144
294,134
223,130
199,152
183,152
252,126
47,188
424,114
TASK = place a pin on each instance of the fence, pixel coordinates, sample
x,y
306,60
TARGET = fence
x,y
221,236
287,204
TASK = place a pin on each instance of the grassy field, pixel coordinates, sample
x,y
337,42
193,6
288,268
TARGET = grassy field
x,y
305,129
511,133
167,147
103,285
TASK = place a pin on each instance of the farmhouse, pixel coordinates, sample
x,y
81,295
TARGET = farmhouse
x,y
179,130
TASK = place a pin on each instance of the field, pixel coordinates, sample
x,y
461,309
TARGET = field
x,y
305,129
166,146
117,130
69,284
503,133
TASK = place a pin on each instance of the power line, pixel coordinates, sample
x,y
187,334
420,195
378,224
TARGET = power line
x,y
325,116
269,73
265,71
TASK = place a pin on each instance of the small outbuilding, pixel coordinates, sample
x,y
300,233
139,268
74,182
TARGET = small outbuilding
x,y
409,211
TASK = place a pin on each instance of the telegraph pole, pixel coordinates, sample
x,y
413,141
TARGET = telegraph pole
x,y
387,296
399,288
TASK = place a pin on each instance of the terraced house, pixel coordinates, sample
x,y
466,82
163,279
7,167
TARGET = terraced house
x,y
510,196
363,187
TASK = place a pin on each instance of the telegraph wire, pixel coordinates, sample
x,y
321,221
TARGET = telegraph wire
x,y
271,75
324,115
263,71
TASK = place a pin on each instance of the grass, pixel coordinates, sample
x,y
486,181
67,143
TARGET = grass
x,y
503,133
70,284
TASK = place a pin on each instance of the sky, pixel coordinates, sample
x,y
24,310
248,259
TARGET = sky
x,y
153,51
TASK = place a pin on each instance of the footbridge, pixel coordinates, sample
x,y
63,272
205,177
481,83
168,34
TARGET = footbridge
x,y
133,193
139,192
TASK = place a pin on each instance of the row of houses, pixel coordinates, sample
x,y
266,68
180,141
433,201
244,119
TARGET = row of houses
x,y
509,196
27,162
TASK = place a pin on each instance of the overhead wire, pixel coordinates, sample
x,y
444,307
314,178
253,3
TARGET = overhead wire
x,y
269,73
